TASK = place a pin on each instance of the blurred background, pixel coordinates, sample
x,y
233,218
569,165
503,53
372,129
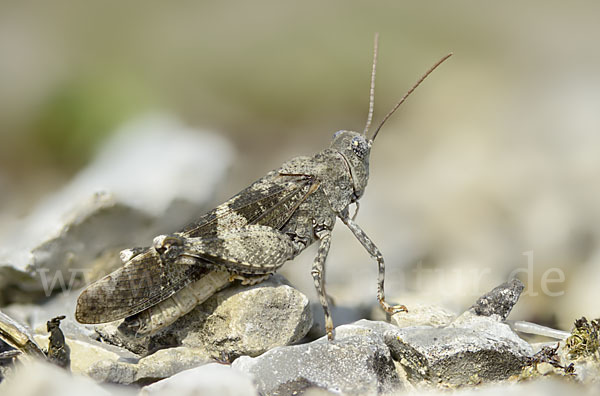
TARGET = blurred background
x,y
492,165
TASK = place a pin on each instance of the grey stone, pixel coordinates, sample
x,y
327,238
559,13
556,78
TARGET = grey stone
x,y
500,300
472,348
144,181
545,368
210,379
356,362
423,315
249,320
240,320
160,365
489,351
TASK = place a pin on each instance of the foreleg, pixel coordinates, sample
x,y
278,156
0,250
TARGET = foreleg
x,y
375,253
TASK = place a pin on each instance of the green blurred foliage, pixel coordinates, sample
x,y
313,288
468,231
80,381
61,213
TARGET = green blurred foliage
x,y
80,113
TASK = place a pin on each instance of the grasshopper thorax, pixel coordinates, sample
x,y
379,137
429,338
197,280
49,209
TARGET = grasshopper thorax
x,y
355,149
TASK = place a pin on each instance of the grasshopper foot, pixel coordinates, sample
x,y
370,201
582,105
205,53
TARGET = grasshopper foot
x,y
393,309
329,332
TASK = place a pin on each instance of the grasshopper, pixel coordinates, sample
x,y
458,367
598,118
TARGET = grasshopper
x,y
247,238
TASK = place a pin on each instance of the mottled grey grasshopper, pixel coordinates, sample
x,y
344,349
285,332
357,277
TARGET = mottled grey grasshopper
x,y
248,237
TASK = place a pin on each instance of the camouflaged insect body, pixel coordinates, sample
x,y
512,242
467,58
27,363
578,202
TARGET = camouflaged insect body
x,y
250,236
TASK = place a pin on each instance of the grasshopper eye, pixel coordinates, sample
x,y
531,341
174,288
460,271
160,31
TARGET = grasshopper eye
x,y
360,147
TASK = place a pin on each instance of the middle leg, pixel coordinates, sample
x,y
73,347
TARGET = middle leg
x,y
318,273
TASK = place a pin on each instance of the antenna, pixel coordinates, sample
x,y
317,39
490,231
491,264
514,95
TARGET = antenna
x,y
372,89
427,73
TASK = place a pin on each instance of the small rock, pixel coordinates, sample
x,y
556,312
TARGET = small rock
x,y
210,379
249,320
160,365
545,368
356,362
423,315
500,300
240,320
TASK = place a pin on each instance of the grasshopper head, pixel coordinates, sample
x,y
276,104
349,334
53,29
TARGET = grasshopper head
x,y
355,148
